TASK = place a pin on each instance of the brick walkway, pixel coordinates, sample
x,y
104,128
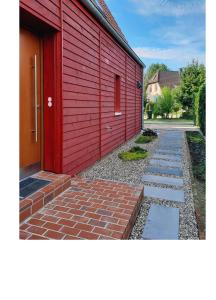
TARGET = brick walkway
x,y
89,209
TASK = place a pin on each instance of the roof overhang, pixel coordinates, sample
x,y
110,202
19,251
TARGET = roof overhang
x,y
103,21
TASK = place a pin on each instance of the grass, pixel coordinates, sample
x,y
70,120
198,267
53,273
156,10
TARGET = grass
x,y
135,153
177,120
196,144
144,139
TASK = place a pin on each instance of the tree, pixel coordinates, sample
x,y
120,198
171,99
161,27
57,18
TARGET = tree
x,y
165,102
192,77
152,69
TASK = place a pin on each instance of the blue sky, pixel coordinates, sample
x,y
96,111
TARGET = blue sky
x,y
164,31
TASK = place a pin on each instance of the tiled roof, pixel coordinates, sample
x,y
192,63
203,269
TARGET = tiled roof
x,y
166,78
101,5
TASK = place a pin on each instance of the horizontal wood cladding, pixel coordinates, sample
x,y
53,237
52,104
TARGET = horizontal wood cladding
x,y
46,10
91,60
81,89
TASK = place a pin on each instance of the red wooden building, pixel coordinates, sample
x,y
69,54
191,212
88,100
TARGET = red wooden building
x,y
80,85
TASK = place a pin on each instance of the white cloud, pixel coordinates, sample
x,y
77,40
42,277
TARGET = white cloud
x,y
169,7
178,34
180,55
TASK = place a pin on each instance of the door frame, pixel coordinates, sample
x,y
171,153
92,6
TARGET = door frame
x,y
52,87
52,68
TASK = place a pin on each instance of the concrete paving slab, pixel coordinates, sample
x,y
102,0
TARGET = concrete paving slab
x,y
170,152
164,163
163,180
157,170
169,146
162,223
167,156
164,194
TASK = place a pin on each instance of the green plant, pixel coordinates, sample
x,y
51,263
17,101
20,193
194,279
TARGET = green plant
x,y
165,102
196,144
195,138
196,110
202,108
144,139
137,149
135,153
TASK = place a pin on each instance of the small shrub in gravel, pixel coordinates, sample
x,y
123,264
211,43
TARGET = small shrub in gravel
x,y
135,153
144,139
149,132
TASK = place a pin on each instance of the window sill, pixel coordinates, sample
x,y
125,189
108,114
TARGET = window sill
x,y
118,113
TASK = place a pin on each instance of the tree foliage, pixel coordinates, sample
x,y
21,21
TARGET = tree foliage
x,y
192,77
165,103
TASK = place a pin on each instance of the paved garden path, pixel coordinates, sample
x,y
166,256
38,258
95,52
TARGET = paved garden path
x,y
163,221
165,187
167,210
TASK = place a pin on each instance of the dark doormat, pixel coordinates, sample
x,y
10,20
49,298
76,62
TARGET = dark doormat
x,y
30,185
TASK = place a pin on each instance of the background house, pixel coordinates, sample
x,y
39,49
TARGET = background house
x,y
170,79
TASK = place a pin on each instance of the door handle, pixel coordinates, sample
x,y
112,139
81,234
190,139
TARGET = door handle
x,y
36,98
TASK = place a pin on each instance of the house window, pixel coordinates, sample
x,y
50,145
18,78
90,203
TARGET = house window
x,y
117,94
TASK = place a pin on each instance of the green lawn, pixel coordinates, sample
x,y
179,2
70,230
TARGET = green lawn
x,y
164,121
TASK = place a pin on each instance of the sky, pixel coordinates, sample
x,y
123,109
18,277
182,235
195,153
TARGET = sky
x,y
163,31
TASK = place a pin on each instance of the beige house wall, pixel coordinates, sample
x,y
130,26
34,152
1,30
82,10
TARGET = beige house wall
x,y
153,91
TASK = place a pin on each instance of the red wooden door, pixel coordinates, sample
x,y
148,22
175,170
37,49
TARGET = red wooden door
x,y
30,100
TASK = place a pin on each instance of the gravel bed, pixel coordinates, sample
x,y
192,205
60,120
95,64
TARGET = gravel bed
x,y
113,168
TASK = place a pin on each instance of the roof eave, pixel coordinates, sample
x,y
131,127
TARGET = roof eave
x,y
100,17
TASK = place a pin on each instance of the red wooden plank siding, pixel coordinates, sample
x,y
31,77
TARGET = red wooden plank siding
x,y
91,59
112,64
81,136
46,10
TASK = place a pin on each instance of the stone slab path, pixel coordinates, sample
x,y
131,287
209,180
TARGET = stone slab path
x,y
163,180
165,183
167,156
164,163
162,223
173,171
164,194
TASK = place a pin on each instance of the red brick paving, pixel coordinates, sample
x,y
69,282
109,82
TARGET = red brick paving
x,y
89,209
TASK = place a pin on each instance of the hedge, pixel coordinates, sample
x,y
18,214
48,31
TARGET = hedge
x,y
200,108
